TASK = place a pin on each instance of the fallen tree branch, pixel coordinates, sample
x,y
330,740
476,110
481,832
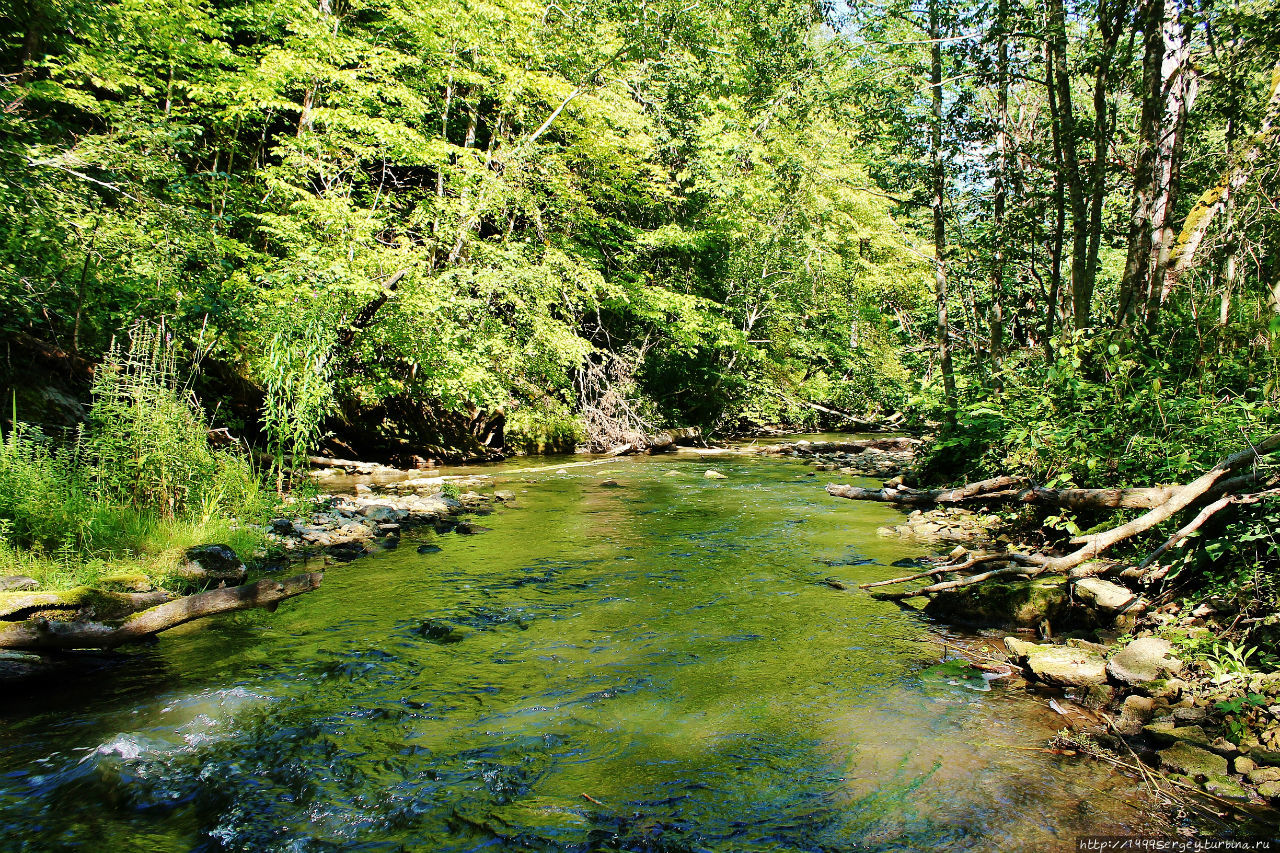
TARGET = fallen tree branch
x,y
1012,490
48,634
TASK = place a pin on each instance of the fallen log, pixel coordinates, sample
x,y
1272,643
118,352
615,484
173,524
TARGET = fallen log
x,y
1011,490
1204,488
897,444
92,603
44,634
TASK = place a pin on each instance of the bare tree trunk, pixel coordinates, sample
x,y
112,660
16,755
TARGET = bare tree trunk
x,y
999,189
1180,84
1056,239
939,212
1111,17
1068,136
1135,281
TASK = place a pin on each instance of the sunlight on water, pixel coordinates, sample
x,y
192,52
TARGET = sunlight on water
x,y
656,667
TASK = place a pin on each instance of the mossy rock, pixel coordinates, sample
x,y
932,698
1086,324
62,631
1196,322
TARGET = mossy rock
x,y
1014,604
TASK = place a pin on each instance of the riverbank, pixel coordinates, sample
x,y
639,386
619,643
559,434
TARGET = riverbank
x,y
1143,680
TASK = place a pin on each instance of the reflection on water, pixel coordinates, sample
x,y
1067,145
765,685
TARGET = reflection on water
x,y
652,668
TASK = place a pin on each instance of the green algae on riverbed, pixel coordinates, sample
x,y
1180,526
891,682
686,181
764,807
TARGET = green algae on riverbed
x,y
658,666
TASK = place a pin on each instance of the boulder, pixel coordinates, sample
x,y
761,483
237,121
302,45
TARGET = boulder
x,y
1062,666
1103,594
1192,761
1144,660
1013,604
381,514
18,583
429,549
610,484
714,475
213,564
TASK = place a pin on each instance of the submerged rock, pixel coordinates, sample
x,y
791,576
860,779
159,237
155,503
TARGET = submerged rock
x,y
712,474
429,549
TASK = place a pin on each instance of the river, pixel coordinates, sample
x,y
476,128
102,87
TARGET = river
x,y
655,667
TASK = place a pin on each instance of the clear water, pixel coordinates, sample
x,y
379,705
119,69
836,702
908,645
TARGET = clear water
x,y
656,667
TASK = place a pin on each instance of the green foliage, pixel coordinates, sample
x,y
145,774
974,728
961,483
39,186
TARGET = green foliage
x,y
548,426
1099,413
138,483
296,370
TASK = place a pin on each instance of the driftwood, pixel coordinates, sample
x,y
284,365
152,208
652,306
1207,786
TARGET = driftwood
x,y
44,634
1012,490
897,443
1212,492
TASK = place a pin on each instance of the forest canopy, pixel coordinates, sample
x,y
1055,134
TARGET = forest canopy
x,y
1049,228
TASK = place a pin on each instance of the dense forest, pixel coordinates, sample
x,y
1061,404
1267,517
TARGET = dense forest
x,y
412,230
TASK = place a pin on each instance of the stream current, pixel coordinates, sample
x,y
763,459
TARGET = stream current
x,y
655,667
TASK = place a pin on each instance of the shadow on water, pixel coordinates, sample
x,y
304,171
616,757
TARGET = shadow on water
x,y
657,667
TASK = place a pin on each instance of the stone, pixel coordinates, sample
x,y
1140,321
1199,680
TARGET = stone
x,y
381,514
1188,716
1192,761
1137,707
677,474
610,484
1021,649
712,474
1261,775
211,564
470,528
18,583
1144,660
1244,765
1103,594
1012,604
1226,788
505,495
429,549
1270,790
1063,666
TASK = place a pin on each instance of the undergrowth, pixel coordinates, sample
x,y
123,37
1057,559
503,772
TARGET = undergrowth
x,y
130,490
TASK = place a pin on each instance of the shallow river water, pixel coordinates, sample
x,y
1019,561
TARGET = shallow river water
x,y
656,667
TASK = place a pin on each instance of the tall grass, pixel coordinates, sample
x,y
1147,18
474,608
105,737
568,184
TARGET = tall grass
x,y
132,488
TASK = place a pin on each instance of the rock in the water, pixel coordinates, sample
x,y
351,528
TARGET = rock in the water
x,y
381,514
1063,666
1226,788
672,474
1145,659
1270,790
1104,595
610,484
440,632
18,583
1192,761
1263,775
1016,604
469,528
505,495
712,474
429,549
1140,708
211,564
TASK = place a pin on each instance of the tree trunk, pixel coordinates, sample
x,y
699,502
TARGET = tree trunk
x,y
939,212
47,634
1135,281
1068,135
999,189
1057,238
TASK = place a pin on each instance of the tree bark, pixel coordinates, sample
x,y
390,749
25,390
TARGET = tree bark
x,y
42,634
939,212
1069,136
1135,281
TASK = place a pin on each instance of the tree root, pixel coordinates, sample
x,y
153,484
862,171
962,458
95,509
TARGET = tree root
x,y
1162,503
